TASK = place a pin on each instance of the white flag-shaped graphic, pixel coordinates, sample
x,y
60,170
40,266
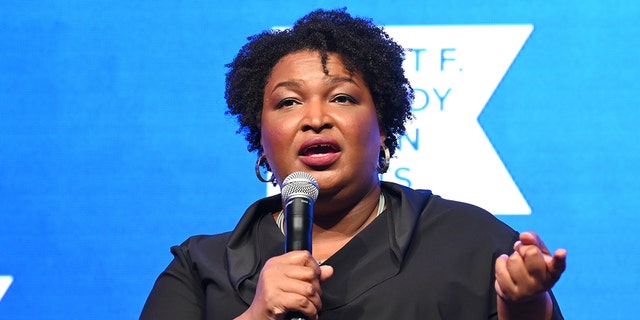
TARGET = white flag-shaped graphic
x,y
5,282
455,70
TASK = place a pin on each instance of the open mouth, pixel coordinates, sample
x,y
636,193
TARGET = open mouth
x,y
318,149
320,153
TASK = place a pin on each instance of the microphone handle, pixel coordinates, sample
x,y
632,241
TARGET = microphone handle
x,y
295,315
299,220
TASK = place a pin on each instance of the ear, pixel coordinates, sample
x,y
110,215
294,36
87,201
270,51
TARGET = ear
x,y
261,151
383,135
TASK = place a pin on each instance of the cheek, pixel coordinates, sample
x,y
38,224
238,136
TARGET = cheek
x,y
274,138
367,135
373,131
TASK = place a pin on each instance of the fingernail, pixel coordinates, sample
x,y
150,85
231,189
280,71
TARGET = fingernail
x,y
517,244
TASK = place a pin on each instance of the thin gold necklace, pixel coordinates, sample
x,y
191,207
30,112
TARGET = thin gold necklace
x,y
280,217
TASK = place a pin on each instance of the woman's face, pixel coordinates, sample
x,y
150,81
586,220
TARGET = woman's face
x,y
322,124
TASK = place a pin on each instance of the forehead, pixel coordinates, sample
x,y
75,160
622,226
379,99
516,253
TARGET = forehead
x,y
307,63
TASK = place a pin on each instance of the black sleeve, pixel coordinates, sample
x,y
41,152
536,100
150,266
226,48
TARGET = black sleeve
x,y
177,293
557,315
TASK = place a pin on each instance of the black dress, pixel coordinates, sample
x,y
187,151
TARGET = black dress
x,y
423,258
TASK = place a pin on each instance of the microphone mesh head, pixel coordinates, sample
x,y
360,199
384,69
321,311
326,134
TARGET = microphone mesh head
x,y
300,184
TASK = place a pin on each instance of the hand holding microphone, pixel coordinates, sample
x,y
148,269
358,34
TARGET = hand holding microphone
x,y
285,278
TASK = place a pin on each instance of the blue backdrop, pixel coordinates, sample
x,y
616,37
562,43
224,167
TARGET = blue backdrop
x,y
114,144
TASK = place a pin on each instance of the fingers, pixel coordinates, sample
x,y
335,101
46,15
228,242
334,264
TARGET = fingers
x,y
300,296
558,263
302,271
299,257
503,278
325,273
531,238
290,282
516,279
530,270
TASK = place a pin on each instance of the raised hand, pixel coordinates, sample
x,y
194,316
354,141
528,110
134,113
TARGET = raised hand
x,y
530,270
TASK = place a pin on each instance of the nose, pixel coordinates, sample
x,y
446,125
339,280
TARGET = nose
x,y
316,116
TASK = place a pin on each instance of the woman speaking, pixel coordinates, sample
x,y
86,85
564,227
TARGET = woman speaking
x,y
328,97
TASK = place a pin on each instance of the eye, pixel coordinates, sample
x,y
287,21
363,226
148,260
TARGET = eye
x,y
344,99
287,102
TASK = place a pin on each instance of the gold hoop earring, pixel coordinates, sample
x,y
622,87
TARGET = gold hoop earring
x,y
262,160
383,159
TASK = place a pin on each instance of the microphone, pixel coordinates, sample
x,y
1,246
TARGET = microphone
x,y
299,192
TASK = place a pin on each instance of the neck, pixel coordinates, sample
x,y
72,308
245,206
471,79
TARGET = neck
x,y
345,222
330,233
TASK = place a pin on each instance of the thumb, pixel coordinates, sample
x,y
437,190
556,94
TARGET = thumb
x,y
325,272
558,264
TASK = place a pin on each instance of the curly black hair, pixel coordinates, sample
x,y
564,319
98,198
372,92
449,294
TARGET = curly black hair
x,y
363,46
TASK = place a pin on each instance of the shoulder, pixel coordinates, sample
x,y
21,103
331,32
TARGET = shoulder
x,y
202,246
446,208
427,203
437,214
467,225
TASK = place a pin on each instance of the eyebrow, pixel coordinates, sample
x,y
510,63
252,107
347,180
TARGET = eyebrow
x,y
332,80
298,84
293,84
